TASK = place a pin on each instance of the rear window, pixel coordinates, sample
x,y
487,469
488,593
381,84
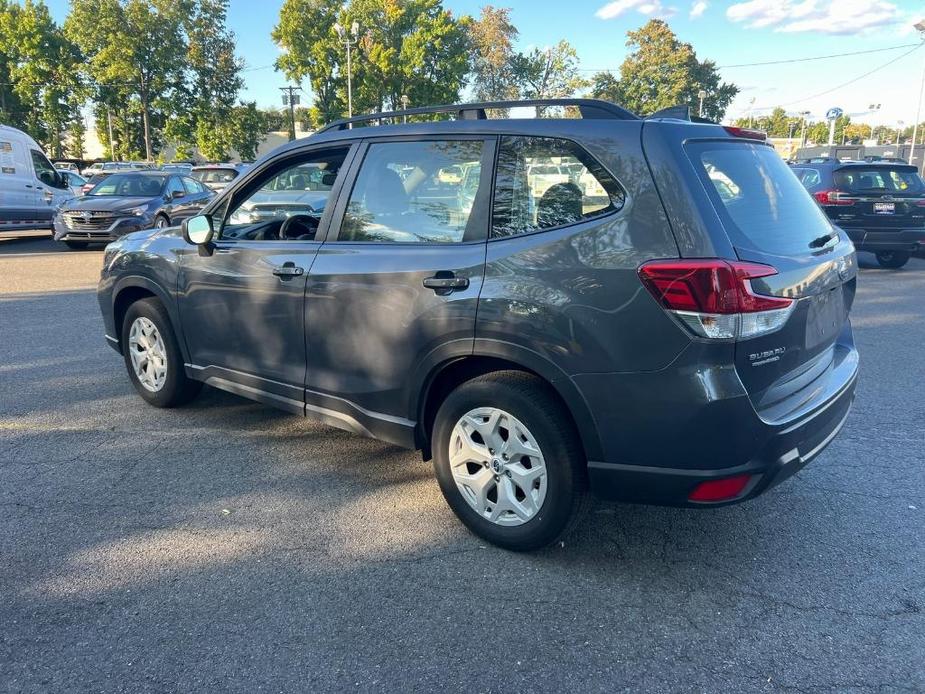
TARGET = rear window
x,y
880,179
215,175
762,204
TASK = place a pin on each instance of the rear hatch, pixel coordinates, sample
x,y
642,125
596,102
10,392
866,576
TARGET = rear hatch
x,y
876,197
772,221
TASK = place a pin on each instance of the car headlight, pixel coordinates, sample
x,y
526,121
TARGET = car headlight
x,y
137,211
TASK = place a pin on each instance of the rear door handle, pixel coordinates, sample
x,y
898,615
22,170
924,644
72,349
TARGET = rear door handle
x,y
287,270
446,282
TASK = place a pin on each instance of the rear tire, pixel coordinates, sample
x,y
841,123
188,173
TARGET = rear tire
x,y
76,245
530,447
153,358
893,260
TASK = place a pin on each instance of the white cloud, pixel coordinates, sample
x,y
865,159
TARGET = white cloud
x,y
821,16
698,8
650,8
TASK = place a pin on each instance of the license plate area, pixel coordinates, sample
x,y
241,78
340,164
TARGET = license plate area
x,y
884,208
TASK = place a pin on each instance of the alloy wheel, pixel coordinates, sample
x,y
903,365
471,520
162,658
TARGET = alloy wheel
x,y
498,466
148,353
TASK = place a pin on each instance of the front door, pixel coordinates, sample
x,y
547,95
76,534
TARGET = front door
x,y
398,280
242,307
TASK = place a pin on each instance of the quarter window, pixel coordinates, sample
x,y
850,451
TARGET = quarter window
x,y
545,182
416,192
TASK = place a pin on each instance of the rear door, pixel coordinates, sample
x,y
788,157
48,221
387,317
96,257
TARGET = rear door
x,y
772,220
398,280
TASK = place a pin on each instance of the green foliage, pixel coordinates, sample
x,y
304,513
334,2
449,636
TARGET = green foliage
x,y
76,137
248,128
41,90
492,39
661,71
550,73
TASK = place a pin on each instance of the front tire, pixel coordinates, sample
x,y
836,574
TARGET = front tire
x,y
153,358
161,222
893,260
509,461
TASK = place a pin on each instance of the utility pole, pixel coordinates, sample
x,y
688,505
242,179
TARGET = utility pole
x,y
290,98
803,115
112,154
703,95
404,106
349,39
920,27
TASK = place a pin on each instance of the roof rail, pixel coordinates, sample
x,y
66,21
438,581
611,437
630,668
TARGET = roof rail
x,y
588,108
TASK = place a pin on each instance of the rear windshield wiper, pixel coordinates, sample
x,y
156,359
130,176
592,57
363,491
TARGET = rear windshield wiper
x,y
822,240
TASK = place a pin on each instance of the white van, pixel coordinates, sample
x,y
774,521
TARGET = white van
x,y
30,188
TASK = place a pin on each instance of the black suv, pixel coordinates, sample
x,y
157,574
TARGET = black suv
x,y
654,309
880,204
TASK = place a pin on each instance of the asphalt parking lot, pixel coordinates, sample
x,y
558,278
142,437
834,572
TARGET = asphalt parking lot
x,y
226,545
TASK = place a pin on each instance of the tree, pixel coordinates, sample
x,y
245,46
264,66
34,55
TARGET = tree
x,y
605,85
661,71
550,73
39,64
491,38
134,48
76,137
247,129
311,51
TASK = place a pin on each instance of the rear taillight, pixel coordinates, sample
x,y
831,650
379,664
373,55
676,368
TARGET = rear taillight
x,y
714,298
832,197
720,490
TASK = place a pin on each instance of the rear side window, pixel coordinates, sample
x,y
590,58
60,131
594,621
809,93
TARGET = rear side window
x,y
810,178
879,179
759,199
417,192
545,182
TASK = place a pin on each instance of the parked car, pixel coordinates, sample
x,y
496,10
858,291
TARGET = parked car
x,y
30,188
683,341
74,181
126,202
104,167
92,182
216,176
880,204
66,166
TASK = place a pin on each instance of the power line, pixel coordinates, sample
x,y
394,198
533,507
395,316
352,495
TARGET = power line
x,y
789,60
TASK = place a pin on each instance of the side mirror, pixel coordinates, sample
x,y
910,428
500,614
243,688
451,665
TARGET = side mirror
x,y
177,194
327,179
198,232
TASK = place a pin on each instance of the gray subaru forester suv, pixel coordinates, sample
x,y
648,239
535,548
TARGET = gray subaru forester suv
x,y
651,309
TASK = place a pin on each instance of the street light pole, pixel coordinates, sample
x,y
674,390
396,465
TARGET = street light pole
x,y
290,98
920,27
349,38
803,115
404,106
703,95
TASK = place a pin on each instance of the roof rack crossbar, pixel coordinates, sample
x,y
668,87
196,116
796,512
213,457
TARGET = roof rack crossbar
x,y
588,108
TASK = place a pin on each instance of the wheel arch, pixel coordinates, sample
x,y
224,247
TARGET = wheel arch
x,y
134,288
489,356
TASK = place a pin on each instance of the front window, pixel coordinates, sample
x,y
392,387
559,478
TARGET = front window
x,y
130,185
287,203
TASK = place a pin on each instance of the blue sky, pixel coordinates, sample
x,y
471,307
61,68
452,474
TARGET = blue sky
x,y
730,33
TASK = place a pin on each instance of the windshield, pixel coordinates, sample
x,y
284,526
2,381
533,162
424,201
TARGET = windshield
x,y
880,179
130,185
215,175
762,204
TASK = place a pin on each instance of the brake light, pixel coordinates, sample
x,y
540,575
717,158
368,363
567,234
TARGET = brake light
x,y
832,197
714,298
720,490
746,133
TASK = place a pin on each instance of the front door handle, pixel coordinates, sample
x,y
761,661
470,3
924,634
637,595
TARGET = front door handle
x,y
287,270
446,282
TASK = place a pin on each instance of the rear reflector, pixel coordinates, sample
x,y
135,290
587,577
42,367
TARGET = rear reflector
x,y
746,133
720,490
714,298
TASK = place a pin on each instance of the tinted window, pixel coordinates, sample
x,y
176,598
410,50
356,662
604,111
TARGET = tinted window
x,y
297,190
546,182
192,188
761,202
175,185
879,179
808,177
416,192
130,185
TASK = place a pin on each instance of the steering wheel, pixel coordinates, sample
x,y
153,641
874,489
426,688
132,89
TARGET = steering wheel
x,y
308,223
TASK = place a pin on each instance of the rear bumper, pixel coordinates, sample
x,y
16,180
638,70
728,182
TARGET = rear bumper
x,y
909,240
